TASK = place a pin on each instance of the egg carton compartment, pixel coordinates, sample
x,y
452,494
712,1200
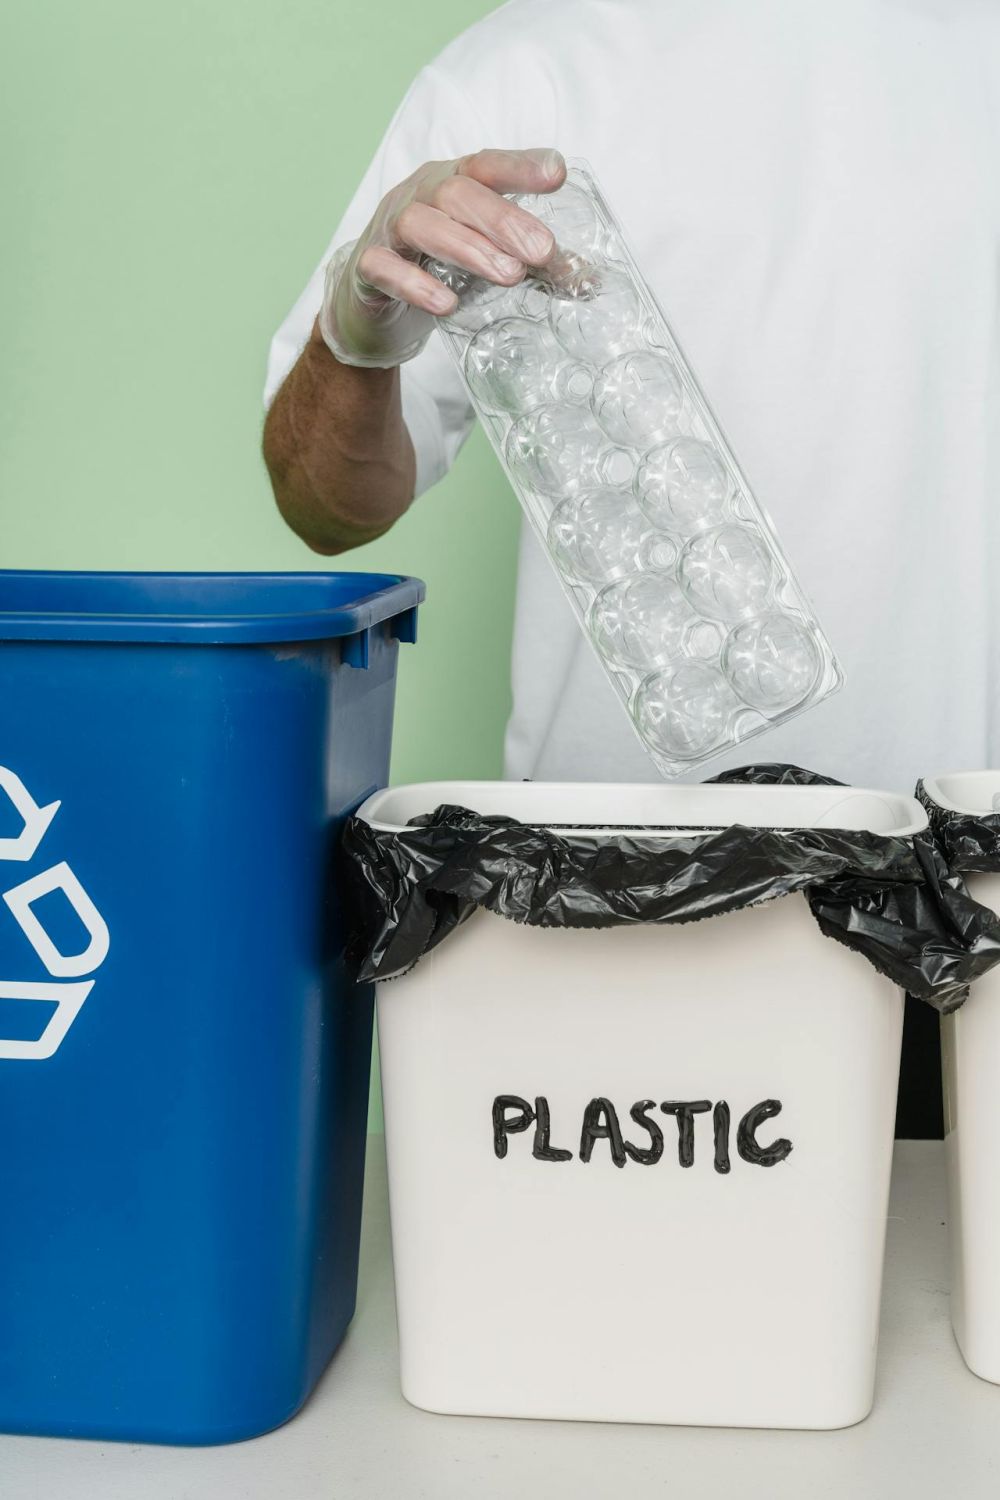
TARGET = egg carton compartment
x,y
672,567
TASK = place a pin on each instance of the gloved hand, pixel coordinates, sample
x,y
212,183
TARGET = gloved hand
x,y
379,304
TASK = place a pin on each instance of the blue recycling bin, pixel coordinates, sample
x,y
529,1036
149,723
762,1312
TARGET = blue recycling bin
x,y
184,1063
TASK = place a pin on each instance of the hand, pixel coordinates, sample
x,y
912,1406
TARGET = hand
x,y
379,304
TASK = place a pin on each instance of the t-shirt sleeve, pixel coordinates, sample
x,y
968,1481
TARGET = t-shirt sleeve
x,y
434,121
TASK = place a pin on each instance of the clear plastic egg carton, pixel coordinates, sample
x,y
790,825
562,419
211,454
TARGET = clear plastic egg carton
x,y
672,567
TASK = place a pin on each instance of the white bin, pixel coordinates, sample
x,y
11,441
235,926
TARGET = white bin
x,y
655,1292
970,1055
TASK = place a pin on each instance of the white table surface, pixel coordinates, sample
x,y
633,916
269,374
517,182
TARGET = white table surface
x,y
935,1430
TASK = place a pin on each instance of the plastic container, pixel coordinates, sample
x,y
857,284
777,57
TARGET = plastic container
x,y
725,1269
183,1066
672,567
970,1049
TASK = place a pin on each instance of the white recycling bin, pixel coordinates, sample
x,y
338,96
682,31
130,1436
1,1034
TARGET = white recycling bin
x,y
641,1173
970,1055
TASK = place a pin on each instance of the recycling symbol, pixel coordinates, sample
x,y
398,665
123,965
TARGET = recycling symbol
x,y
67,987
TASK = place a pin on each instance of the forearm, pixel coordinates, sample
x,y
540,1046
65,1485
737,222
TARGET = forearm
x,y
337,450
335,443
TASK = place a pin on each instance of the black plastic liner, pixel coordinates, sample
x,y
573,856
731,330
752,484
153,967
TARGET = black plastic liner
x,y
891,899
968,841
770,773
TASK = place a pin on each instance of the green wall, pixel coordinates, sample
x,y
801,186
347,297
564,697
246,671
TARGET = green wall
x,y
169,176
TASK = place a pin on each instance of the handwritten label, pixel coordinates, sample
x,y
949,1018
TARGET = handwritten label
x,y
601,1131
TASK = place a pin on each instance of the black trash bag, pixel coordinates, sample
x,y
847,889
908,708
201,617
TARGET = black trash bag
x,y
772,774
890,899
970,842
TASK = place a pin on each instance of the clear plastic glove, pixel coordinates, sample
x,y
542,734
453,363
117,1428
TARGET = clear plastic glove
x,y
379,304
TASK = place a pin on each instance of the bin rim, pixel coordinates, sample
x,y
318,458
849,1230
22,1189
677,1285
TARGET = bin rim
x,y
262,607
947,787
569,807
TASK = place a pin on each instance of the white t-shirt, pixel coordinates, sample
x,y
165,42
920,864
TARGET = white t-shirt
x,y
813,192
